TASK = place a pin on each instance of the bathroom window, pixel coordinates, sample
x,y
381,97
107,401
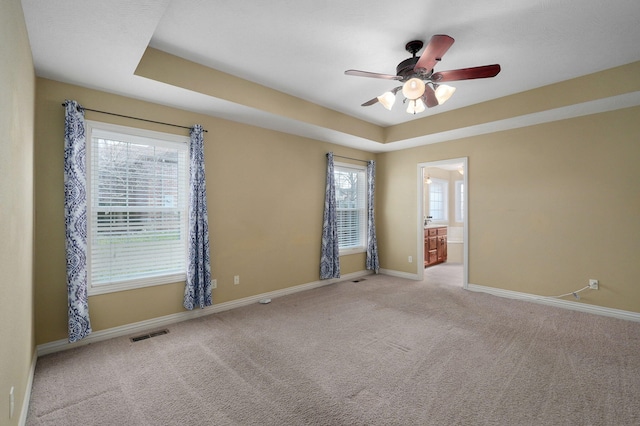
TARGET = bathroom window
x,y
438,200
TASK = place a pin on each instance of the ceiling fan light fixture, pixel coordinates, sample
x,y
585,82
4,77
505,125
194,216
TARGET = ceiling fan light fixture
x,y
417,72
413,89
443,93
387,99
415,106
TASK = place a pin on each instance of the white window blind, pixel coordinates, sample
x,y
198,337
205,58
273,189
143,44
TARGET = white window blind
x,y
351,206
138,209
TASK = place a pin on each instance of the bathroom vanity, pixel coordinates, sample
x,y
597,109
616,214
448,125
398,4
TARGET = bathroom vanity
x,y
435,245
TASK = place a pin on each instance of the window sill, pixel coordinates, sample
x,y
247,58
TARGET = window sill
x,y
347,252
94,290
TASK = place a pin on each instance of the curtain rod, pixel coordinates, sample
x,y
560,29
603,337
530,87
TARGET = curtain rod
x,y
349,158
135,118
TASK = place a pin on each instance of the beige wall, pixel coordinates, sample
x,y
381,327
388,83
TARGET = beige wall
x,y
17,86
265,198
519,221
620,80
166,68
550,206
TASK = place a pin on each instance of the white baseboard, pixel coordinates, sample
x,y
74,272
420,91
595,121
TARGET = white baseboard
x,y
154,323
22,420
399,274
551,301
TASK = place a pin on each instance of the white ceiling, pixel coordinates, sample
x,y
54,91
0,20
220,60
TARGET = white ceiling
x,y
303,47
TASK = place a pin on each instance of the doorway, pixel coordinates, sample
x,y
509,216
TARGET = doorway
x,y
443,203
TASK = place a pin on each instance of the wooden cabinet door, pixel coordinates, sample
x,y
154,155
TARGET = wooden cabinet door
x,y
433,243
442,248
444,253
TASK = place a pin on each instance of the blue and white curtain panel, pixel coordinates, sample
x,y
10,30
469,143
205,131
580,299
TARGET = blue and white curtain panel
x,y
75,208
330,252
198,286
372,263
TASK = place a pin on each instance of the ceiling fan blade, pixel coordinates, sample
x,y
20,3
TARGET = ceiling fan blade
x,y
485,71
377,99
437,47
429,97
358,73
370,102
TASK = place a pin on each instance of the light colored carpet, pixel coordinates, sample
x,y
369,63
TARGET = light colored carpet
x,y
384,351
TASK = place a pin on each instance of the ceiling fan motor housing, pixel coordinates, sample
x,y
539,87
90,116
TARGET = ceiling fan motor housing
x,y
405,68
414,46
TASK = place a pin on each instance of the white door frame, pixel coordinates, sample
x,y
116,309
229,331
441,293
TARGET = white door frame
x,y
420,216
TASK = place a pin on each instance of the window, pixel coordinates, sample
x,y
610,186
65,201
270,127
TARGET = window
x,y
459,201
351,207
137,226
438,200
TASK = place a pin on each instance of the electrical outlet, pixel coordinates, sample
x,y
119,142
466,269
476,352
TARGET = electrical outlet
x,y
214,284
593,284
236,279
11,403
410,259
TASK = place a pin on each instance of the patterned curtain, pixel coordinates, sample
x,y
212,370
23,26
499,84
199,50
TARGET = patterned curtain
x,y
197,290
330,257
75,214
372,243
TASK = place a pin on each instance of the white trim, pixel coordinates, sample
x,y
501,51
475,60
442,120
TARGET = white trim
x,y
362,212
146,325
95,289
612,103
457,184
551,301
465,223
352,250
400,274
420,224
22,420
344,165
140,136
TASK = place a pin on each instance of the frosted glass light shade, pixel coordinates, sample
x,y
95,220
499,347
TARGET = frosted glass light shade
x,y
413,89
443,93
415,106
411,108
387,99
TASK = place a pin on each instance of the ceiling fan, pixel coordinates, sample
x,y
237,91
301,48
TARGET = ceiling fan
x,y
421,85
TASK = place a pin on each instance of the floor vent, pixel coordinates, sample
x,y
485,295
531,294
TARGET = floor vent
x,y
149,335
358,280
